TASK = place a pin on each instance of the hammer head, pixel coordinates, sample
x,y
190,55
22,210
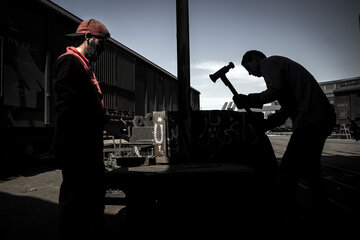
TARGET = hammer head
x,y
215,76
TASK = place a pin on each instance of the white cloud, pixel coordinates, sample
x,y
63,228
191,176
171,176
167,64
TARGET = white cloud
x,y
211,66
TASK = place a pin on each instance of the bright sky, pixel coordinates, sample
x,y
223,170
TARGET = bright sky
x,y
322,35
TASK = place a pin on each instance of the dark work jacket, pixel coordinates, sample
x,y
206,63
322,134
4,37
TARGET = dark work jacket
x,y
80,114
298,93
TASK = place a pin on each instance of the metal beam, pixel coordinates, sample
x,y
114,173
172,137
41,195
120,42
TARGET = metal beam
x,y
183,67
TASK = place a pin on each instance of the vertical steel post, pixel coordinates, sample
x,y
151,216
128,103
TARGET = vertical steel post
x,y
183,69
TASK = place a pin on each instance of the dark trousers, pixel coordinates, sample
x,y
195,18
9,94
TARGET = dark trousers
x,y
301,160
81,203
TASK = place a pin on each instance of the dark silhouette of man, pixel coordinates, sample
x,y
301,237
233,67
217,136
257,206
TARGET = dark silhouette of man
x,y
78,142
313,118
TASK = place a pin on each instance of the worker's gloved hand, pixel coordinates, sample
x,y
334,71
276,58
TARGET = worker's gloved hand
x,y
247,101
241,101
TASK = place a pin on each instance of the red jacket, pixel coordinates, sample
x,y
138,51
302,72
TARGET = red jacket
x,y
80,112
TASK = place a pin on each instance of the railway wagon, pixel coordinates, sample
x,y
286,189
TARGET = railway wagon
x,y
347,100
31,38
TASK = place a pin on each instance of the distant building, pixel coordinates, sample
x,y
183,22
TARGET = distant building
x,y
344,94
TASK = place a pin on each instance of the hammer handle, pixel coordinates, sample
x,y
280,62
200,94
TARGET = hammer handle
x,y
232,89
228,84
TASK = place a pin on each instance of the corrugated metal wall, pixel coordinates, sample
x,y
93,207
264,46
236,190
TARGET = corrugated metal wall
x,y
140,88
132,84
115,71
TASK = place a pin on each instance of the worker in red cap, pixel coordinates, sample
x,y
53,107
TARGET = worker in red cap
x,y
95,34
78,141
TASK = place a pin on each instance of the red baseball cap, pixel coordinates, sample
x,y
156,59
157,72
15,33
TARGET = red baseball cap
x,y
92,26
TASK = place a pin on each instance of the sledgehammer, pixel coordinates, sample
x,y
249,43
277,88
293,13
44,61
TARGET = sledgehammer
x,y
221,73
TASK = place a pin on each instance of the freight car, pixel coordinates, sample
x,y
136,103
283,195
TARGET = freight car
x,y
31,38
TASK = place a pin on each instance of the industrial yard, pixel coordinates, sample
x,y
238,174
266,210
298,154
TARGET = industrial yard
x,y
172,169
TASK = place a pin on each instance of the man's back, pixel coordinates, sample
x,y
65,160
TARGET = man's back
x,y
298,92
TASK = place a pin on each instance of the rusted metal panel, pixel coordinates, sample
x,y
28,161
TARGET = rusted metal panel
x,y
221,137
160,137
